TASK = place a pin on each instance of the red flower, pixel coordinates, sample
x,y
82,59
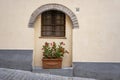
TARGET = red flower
x,y
61,43
54,50
46,44
54,44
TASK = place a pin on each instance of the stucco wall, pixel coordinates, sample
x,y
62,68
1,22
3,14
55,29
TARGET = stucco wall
x,y
99,32
14,31
96,40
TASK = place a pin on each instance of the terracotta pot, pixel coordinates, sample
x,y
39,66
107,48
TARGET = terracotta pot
x,y
51,63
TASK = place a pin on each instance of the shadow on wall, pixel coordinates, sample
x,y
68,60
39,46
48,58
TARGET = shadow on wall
x,y
16,59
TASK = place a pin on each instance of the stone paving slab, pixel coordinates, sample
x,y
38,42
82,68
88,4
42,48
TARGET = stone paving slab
x,y
10,74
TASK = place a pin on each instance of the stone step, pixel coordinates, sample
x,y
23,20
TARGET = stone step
x,y
63,71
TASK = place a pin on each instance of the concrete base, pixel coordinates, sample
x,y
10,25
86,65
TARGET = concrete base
x,y
22,59
100,71
16,59
63,72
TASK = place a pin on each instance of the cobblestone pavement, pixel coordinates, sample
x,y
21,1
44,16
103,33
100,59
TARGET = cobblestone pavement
x,y
10,74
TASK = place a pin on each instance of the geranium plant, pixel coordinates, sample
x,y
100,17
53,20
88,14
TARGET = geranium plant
x,y
53,51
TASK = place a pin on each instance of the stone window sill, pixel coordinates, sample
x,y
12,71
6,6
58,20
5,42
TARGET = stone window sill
x,y
53,37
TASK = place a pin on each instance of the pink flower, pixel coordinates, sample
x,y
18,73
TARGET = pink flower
x,y
51,44
62,43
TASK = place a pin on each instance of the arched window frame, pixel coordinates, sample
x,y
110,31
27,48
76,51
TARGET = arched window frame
x,y
53,24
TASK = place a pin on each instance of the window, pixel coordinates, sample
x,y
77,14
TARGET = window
x,y
53,24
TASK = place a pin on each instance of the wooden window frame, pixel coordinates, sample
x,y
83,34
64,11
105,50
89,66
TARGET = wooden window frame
x,y
53,25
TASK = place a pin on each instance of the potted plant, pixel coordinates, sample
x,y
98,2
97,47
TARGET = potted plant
x,y
52,55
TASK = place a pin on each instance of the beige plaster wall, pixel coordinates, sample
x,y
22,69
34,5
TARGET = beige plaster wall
x,y
39,42
14,31
96,40
99,32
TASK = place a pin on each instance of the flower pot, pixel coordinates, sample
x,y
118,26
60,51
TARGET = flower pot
x,y
51,63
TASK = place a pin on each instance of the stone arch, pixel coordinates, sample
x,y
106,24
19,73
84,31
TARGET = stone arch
x,y
58,7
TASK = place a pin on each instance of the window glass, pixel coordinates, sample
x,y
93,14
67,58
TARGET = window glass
x,y
53,24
